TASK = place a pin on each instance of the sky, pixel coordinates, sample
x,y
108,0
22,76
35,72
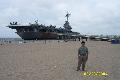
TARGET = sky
x,y
87,16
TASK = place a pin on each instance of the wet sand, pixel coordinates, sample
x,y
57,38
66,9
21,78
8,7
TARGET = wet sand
x,y
57,60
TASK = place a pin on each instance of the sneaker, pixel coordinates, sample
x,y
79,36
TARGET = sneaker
x,y
83,69
77,69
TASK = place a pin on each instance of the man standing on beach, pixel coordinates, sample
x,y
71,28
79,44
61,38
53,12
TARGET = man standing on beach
x,y
82,56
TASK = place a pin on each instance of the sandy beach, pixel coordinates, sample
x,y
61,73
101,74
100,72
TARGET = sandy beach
x,y
57,60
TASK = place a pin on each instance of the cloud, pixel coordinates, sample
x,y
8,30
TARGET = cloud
x,y
87,16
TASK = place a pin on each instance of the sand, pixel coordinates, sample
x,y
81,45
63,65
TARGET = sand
x,y
57,60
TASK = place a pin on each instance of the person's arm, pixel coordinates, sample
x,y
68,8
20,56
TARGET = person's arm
x,y
78,52
87,51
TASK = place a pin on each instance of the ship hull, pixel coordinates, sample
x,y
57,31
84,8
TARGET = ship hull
x,y
37,35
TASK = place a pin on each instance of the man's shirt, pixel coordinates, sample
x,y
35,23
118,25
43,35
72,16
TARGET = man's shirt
x,y
83,50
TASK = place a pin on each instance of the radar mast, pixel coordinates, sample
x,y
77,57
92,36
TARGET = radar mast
x,y
67,24
67,15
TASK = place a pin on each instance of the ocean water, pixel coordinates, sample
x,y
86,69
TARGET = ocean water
x,y
17,40
10,40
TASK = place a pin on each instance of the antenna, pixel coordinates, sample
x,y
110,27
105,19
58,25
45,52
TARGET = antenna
x,y
67,15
